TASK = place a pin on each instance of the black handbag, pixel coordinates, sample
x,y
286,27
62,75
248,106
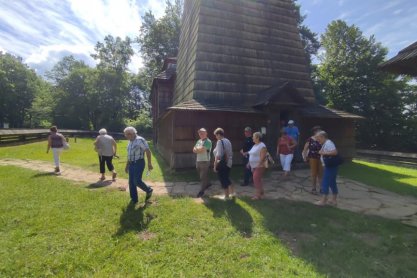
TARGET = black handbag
x,y
222,164
332,160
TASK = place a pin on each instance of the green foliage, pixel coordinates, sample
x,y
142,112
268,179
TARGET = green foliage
x,y
351,81
114,53
308,38
142,123
19,85
159,39
92,98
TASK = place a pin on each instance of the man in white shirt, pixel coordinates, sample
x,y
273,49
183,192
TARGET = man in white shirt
x,y
136,150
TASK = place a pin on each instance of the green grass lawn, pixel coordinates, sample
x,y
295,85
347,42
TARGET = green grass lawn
x,y
52,227
82,154
401,180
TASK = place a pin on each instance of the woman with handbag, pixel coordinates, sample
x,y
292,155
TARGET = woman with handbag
x,y
331,161
312,156
258,163
56,142
223,156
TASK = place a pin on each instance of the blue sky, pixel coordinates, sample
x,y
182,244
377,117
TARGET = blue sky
x,y
43,31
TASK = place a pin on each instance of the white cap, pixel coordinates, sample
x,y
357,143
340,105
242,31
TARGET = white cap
x,y
290,122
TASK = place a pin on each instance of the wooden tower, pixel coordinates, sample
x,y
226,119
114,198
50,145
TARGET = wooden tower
x,y
240,63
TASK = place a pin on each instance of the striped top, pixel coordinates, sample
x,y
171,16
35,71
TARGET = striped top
x,y
136,149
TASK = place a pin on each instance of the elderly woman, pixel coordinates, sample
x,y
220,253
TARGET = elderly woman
x,y
56,142
106,148
257,159
223,157
285,150
137,148
327,152
312,156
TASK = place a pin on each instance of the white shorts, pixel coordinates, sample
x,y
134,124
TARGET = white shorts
x,y
286,160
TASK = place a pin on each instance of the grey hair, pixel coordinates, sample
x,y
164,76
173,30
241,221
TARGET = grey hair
x,y
258,135
102,131
130,129
322,133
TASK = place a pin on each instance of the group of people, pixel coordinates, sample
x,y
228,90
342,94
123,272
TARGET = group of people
x,y
318,151
106,148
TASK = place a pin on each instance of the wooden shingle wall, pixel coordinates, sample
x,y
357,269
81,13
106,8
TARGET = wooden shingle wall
x,y
231,50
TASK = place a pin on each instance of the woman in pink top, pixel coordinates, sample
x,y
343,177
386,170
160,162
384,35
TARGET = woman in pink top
x,y
285,151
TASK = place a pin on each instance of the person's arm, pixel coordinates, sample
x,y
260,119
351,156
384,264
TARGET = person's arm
x,y
305,151
293,143
49,144
329,153
278,147
199,149
114,147
96,142
149,158
262,157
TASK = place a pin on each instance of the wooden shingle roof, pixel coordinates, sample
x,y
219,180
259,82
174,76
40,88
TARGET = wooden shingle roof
x,y
194,105
405,62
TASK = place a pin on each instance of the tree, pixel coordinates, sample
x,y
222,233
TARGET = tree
x,y
18,87
352,82
308,38
114,53
159,39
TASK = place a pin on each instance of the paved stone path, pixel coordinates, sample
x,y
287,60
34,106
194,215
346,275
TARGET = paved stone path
x,y
354,196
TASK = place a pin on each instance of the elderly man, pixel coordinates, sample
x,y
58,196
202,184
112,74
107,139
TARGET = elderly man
x,y
106,148
203,148
136,150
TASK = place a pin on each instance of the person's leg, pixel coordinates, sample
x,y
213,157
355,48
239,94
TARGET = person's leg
x,y
287,163
202,169
231,187
133,169
314,172
324,187
109,163
221,173
139,181
110,166
333,184
320,172
56,153
247,173
282,161
102,169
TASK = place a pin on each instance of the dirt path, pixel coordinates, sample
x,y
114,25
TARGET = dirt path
x,y
354,196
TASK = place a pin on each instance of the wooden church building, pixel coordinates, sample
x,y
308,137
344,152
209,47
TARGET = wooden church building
x,y
240,63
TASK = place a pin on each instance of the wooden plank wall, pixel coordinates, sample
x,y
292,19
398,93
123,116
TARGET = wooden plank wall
x,y
187,123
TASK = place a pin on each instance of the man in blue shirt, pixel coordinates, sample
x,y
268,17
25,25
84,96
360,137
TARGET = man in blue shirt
x,y
294,133
292,130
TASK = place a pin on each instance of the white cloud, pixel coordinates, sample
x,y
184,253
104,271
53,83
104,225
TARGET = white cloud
x,y
41,32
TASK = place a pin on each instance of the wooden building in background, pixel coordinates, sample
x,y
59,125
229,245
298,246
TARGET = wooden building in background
x,y
240,63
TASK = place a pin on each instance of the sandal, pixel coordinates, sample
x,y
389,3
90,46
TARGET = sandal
x,y
314,191
320,203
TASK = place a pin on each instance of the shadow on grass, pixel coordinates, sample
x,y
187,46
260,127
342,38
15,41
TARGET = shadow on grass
x,y
341,243
43,174
133,219
379,178
234,212
99,184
